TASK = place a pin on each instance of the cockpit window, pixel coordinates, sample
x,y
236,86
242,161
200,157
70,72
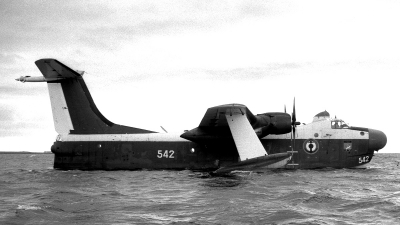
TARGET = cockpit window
x,y
338,124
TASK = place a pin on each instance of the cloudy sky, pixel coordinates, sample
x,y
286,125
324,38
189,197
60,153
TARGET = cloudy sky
x,y
163,63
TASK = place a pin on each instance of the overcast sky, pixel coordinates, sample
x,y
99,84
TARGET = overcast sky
x,y
163,63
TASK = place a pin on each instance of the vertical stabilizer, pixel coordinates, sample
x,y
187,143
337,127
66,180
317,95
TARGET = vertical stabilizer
x,y
74,111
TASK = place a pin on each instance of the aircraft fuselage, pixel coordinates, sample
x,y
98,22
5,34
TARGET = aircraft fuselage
x,y
313,148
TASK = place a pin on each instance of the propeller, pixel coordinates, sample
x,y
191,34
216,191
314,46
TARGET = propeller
x,y
294,124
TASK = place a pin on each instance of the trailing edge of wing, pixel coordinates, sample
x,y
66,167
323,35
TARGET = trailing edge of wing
x,y
246,140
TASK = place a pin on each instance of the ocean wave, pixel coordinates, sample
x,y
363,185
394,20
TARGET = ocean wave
x,y
33,194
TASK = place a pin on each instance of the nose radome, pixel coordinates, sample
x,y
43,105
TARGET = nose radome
x,y
377,139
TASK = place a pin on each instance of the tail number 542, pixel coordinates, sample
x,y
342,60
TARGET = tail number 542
x,y
169,154
363,159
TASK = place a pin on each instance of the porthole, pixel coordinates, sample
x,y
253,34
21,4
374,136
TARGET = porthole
x,y
316,135
362,133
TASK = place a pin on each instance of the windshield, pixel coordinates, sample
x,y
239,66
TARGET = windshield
x,y
338,124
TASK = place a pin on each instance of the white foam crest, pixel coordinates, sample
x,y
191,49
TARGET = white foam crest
x,y
28,207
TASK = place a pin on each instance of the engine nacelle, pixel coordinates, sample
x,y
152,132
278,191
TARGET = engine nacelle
x,y
272,123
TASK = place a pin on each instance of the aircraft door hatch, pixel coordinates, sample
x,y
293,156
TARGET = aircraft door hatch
x,y
332,152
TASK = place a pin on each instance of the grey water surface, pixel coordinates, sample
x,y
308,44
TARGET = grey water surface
x,y
32,192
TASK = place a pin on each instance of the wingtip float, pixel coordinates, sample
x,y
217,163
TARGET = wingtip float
x,y
228,138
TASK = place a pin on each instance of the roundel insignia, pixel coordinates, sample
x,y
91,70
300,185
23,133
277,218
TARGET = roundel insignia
x,y
311,146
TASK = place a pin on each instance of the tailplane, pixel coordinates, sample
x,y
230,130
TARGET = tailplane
x,y
74,111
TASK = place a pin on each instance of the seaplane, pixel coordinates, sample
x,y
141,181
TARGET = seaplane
x,y
229,137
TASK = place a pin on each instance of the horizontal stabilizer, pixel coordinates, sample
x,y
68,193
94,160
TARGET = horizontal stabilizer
x,y
51,68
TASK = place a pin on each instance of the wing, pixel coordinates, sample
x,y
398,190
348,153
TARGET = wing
x,y
246,140
227,122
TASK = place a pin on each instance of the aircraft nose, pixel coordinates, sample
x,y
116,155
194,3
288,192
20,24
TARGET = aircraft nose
x,y
377,140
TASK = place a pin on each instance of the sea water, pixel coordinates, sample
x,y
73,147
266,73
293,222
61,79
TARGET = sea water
x,y
32,192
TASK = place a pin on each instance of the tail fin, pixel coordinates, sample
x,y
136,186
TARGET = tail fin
x,y
73,108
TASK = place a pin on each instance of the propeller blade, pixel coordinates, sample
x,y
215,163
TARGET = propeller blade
x,y
294,132
294,111
294,139
294,123
291,140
